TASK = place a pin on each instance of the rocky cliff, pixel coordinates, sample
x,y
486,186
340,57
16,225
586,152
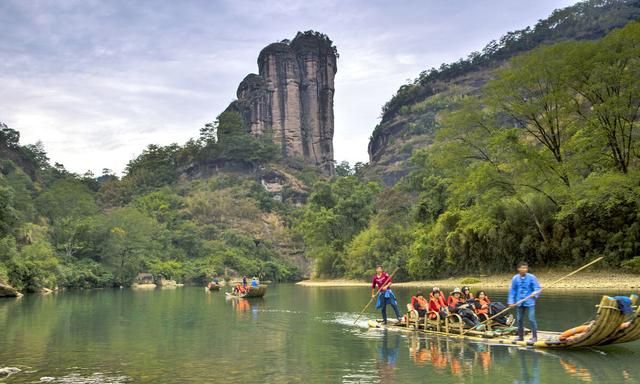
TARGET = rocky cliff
x,y
291,97
411,118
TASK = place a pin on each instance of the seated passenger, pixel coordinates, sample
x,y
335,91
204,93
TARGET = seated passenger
x,y
254,282
440,296
436,304
455,300
239,288
482,303
419,304
457,305
466,294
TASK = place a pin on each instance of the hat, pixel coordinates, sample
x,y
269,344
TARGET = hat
x,y
436,289
456,290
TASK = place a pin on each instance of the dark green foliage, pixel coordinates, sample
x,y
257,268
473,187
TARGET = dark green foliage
x,y
519,173
336,212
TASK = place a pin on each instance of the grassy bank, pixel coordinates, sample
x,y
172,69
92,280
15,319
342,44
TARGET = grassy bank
x,y
585,280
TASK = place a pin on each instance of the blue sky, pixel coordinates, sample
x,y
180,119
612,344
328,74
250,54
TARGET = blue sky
x,y
97,81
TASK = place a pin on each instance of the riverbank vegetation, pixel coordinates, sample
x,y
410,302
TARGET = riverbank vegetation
x,y
80,231
540,164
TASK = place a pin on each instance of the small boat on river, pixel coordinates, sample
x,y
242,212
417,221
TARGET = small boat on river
x,y
251,292
213,287
610,326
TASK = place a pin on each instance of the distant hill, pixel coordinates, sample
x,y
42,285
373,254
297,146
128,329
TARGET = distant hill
x,y
410,118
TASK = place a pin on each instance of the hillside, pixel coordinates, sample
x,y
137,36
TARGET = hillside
x,y
410,118
180,212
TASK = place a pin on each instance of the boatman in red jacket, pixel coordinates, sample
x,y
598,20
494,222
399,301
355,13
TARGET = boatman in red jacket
x,y
382,280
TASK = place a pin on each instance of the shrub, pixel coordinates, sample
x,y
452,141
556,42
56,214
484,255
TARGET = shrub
x,y
632,265
469,280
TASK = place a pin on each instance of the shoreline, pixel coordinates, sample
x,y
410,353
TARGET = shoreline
x,y
581,281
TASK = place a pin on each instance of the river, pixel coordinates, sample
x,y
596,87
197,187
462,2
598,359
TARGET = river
x,y
295,334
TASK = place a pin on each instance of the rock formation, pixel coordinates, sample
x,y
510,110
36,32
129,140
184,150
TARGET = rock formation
x,y
292,97
8,291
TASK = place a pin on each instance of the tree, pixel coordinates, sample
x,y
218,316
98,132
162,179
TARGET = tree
x,y
9,138
130,237
8,215
606,76
67,204
344,169
533,92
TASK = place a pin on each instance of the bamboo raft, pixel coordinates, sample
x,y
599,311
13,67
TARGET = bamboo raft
x,y
610,326
252,292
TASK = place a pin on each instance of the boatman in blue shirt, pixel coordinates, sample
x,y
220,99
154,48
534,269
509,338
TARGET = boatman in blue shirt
x,y
524,285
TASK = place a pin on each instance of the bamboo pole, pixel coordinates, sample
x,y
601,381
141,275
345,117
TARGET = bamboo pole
x,y
538,292
372,297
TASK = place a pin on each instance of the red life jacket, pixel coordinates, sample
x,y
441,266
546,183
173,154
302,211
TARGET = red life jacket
x,y
440,299
434,306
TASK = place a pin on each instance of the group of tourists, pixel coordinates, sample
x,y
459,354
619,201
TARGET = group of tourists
x,y
243,287
473,310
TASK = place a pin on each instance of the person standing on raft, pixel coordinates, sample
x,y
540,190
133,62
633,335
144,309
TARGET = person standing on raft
x,y
383,281
523,285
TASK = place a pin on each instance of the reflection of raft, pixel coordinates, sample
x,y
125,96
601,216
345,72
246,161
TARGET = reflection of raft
x,y
251,292
606,328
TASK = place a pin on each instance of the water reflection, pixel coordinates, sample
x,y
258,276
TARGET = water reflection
x,y
529,370
461,358
388,357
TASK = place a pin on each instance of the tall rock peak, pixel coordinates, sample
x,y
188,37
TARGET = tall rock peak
x,y
291,97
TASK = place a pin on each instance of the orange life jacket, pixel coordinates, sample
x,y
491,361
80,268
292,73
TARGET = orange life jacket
x,y
453,301
484,306
419,302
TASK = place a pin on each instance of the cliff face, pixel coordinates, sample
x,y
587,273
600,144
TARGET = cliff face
x,y
411,118
291,98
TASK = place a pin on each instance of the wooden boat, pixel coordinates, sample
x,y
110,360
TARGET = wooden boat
x,y
213,287
252,292
605,329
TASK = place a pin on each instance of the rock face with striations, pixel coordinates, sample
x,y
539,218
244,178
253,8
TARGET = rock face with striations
x,y
292,97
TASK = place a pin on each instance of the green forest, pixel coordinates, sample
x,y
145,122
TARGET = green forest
x,y
540,164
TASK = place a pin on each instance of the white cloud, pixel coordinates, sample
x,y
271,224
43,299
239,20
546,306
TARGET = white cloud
x,y
98,81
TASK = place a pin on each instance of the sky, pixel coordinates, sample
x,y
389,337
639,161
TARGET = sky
x,y
97,81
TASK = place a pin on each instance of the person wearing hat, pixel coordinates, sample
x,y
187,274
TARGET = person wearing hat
x,y
458,305
466,294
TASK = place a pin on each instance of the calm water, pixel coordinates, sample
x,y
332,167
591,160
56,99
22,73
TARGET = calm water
x,y
294,334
